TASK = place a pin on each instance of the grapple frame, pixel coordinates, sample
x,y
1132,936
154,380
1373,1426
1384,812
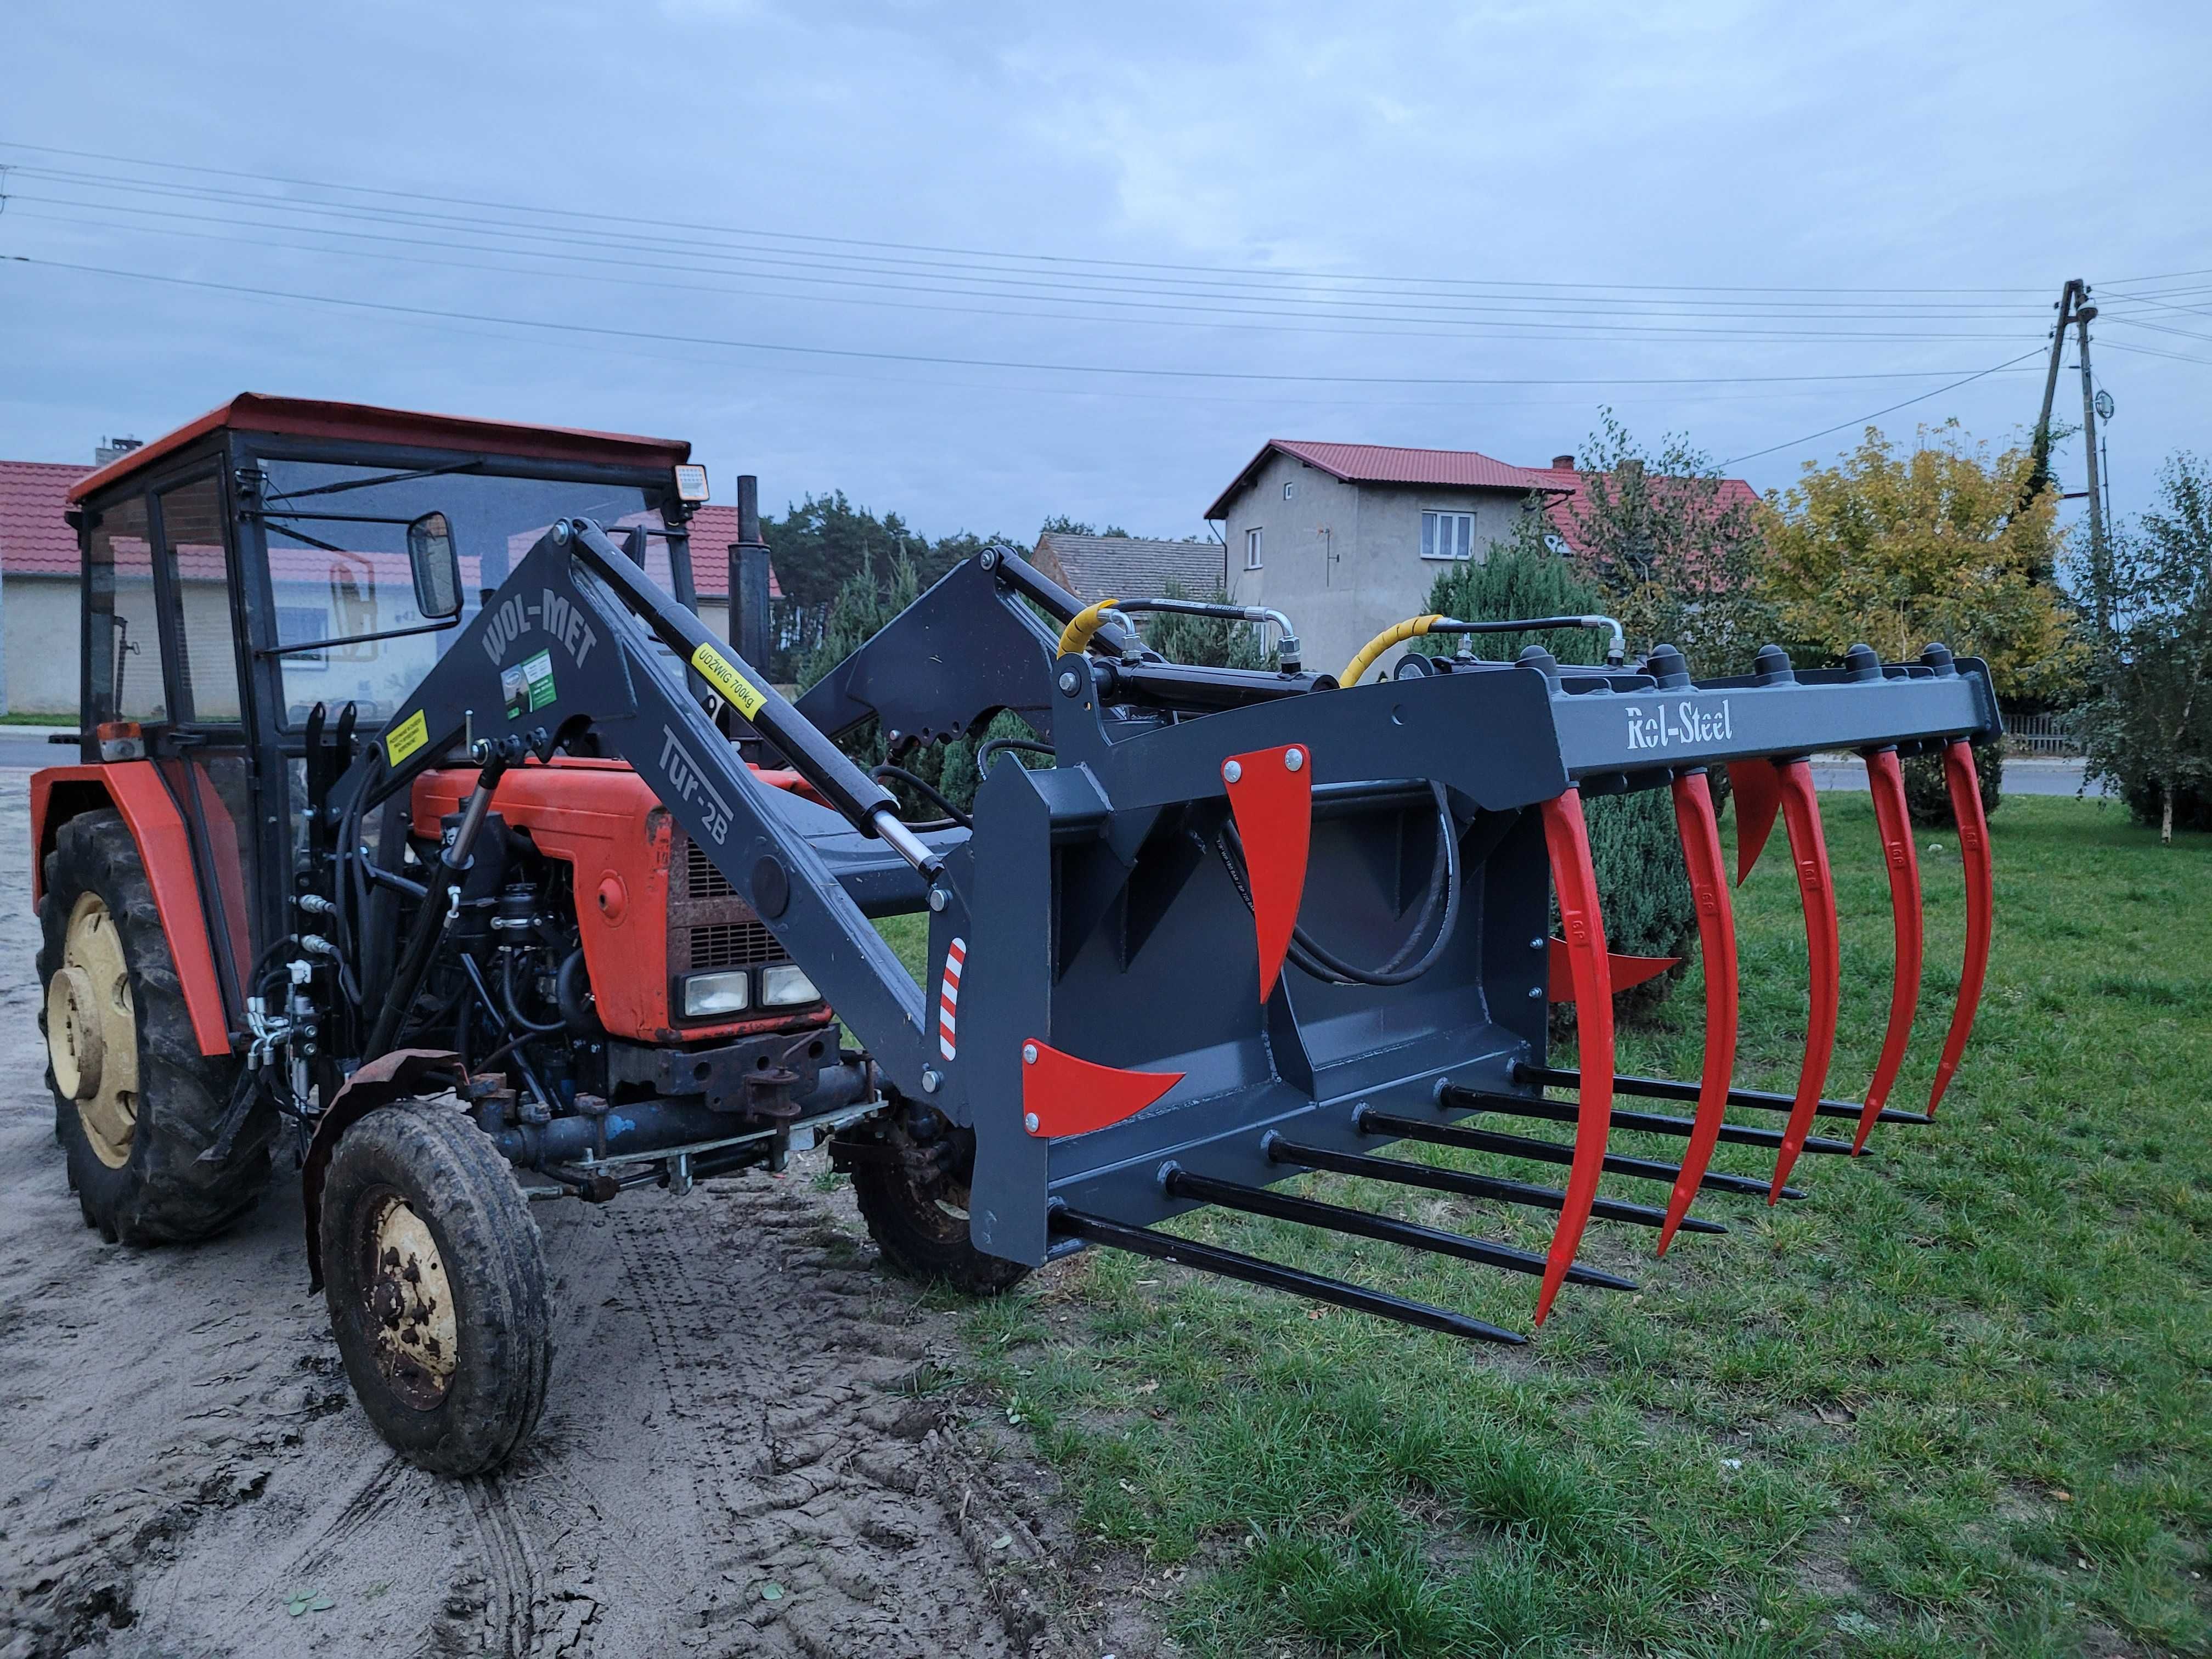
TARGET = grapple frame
x,y
1177,966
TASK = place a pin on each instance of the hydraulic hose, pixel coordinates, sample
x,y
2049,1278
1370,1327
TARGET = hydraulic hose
x,y
1314,958
1615,648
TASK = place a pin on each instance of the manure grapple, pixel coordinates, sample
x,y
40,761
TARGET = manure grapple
x,y
1123,1054
419,819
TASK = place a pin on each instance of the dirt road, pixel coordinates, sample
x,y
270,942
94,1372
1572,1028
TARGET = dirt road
x,y
743,1454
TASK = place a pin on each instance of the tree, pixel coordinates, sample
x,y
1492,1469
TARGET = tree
x,y
1675,546
1633,844
1899,548
1060,525
2148,728
1201,641
863,604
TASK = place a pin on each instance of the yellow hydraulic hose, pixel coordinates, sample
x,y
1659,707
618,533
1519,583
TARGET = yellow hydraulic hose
x,y
1375,647
1075,636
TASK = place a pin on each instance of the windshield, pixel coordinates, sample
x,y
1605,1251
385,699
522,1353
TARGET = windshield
x,y
338,567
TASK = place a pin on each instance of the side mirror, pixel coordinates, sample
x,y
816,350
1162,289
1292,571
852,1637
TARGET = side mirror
x,y
435,566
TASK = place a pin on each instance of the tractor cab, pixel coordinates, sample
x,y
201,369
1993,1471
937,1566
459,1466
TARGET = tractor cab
x,y
279,554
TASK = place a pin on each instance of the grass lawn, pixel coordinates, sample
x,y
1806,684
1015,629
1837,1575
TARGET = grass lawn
x,y
1960,1400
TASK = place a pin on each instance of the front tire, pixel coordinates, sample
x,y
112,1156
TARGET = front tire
x,y
135,1101
917,1213
435,1282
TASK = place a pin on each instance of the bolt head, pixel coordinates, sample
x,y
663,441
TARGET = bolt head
x,y
1536,991
937,899
1293,759
1232,771
930,1082
1030,1121
560,530
1068,682
1028,1054
1536,944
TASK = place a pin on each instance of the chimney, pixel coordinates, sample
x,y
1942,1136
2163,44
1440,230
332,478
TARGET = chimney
x,y
112,449
1562,462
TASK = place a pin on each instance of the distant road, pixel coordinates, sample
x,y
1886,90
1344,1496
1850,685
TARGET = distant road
x,y
33,751
2021,777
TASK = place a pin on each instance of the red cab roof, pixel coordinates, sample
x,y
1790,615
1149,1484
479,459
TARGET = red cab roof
x,y
309,417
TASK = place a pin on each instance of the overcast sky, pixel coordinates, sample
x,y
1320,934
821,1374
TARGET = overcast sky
x,y
1026,260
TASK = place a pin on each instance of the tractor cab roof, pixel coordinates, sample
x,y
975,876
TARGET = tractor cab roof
x,y
309,417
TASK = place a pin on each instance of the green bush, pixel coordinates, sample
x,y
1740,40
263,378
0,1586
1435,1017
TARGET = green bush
x,y
1633,844
1928,797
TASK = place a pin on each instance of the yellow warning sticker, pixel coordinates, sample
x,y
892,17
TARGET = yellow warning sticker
x,y
719,672
405,738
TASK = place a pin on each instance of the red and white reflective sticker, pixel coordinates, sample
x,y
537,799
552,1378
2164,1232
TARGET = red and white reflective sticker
x,y
948,997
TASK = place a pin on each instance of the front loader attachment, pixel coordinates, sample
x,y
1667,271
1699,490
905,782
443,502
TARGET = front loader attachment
x,y
1247,926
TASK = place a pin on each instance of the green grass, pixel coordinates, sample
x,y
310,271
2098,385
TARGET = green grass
x,y
1958,1401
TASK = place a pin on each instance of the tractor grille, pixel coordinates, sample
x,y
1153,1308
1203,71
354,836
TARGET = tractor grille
x,y
709,926
703,880
734,945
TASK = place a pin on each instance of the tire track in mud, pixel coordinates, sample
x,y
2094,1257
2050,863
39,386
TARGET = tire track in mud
x,y
514,1588
788,1375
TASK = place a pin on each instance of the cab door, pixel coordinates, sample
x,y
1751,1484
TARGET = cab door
x,y
203,752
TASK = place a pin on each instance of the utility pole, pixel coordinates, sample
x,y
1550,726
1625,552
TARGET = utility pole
x,y
2084,314
2040,473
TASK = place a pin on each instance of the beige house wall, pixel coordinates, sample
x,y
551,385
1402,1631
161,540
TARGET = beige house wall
x,y
1344,561
44,636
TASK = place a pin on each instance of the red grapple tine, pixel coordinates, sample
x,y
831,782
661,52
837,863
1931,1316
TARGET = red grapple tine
x,y
1271,792
1886,778
1702,858
1567,839
1758,787
1808,852
1974,853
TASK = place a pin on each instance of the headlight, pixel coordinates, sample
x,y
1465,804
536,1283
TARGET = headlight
x,y
716,994
787,988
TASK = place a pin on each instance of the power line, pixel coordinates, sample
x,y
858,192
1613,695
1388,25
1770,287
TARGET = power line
x,y
1053,260
1119,369
1893,408
1208,316
784,266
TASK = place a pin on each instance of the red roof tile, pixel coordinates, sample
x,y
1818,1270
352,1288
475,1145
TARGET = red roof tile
x,y
712,530
1570,502
33,540
1462,469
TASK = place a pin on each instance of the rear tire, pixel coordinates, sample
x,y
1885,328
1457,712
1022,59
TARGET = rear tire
x,y
435,1282
921,1224
141,1102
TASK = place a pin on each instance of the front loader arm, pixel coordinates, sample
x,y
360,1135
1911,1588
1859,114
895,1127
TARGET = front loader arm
x,y
569,642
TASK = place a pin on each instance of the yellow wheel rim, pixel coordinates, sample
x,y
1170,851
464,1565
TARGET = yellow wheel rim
x,y
92,1032
411,1302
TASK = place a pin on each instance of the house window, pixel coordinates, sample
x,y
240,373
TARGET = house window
x,y
1252,548
1289,489
1447,535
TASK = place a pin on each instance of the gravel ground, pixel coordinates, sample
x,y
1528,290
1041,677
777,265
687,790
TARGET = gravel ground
x,y
744,1452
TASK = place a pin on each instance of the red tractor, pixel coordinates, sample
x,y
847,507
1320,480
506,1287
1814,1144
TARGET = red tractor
x,y
218,940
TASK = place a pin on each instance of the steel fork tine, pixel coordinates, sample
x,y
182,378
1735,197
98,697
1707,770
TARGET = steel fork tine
x,y
1808,854
1966,788
1886,778
1701,857
1566,837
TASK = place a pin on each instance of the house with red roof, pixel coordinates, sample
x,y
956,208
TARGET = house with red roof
x,y
1347,539
40,595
